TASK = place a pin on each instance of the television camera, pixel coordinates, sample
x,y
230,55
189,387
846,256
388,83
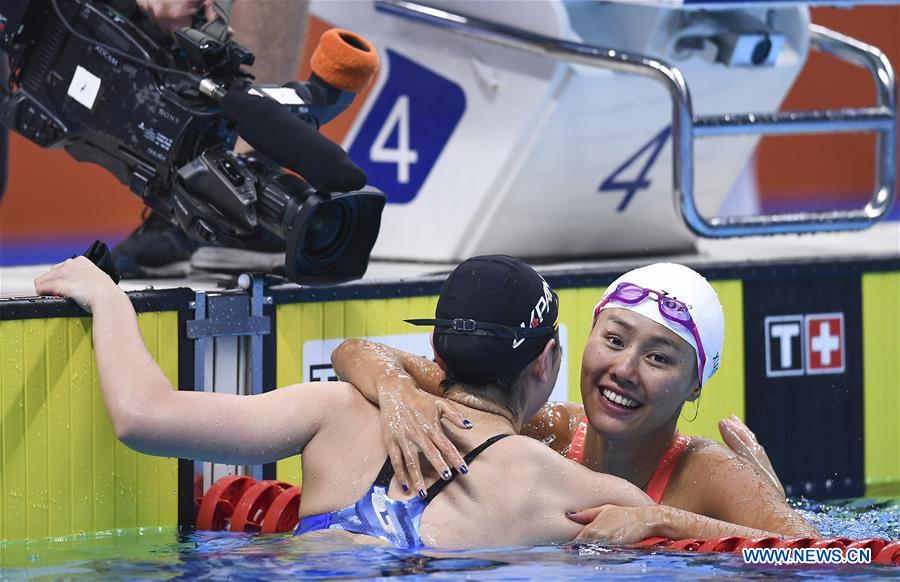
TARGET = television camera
x,y
162,115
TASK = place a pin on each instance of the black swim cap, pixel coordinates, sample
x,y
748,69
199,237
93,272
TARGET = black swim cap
x,y
494,316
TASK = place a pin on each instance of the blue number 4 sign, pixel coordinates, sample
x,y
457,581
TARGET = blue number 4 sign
x,y
630,187
407,128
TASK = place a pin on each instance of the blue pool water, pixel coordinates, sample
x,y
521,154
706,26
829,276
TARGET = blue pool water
x,y
168,554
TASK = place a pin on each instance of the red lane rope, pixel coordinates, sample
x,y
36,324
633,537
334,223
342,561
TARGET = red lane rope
x,y
254,505
284,513
239,503
243,504
218,504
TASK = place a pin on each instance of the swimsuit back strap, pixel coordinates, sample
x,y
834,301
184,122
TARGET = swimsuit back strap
x,y
660,479
439,485
385,475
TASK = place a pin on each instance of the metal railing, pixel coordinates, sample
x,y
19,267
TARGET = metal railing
x,y
685,126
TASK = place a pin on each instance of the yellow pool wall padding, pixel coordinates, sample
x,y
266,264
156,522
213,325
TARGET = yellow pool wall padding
x,y
881,381
62,470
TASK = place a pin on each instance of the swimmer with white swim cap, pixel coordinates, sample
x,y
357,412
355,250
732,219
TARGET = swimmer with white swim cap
x,y
686,304
657,339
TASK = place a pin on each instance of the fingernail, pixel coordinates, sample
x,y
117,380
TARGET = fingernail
x,y
467,424
405,488
422,494
463,469
446,475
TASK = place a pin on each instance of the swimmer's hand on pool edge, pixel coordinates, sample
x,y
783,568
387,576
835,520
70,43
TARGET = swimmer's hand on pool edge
x,y
411,418
742,441
78,279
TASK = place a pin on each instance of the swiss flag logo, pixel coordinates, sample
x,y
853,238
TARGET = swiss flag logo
x,y
825,343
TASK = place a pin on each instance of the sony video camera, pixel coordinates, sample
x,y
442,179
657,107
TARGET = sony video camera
x,y
163,115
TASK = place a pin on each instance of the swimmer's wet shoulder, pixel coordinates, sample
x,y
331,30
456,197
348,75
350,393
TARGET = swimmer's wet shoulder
x,y
687,482
555,424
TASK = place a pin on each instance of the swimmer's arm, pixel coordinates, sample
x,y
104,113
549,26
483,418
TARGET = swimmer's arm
x,y
678,524
150,417
733,500
733,491
627,525
622,513
382,373
555,424
370,366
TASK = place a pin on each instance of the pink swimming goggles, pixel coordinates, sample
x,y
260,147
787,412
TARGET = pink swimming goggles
x,y
670,308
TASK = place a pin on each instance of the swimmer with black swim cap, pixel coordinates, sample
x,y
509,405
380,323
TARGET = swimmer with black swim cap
x,y
486,357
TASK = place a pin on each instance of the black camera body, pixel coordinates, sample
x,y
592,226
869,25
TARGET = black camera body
x,y
109,91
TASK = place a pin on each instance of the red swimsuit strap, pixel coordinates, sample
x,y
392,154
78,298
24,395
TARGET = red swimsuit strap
x,y
576,447
660,479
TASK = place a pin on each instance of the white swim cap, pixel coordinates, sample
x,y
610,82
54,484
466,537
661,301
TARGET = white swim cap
x,y
692,289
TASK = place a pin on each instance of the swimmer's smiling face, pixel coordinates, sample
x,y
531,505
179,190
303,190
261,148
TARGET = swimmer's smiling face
x,y
635,375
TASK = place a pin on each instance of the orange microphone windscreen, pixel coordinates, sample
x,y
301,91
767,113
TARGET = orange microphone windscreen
x,y
345,60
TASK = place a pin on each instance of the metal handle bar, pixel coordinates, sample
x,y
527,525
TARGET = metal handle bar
x,y
685,127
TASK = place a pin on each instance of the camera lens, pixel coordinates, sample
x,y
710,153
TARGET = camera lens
x,y
328,230
761,51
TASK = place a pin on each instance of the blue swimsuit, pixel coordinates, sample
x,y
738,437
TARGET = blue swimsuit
x,y
377,515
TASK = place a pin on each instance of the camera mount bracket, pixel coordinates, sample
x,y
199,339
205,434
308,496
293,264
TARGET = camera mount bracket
x,y
228,329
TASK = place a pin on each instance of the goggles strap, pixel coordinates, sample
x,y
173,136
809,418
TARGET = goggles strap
x,y
471,327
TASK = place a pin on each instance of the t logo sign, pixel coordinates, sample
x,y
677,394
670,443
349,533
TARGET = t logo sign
x,y
804,344
784,345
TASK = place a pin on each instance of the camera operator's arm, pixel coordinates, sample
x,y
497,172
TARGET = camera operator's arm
x,y
274,32
170,15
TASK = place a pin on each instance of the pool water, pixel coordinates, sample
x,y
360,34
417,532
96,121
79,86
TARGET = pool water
x,y
166,554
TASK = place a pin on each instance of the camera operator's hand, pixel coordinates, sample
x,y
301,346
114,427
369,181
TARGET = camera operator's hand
x,y
170,15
